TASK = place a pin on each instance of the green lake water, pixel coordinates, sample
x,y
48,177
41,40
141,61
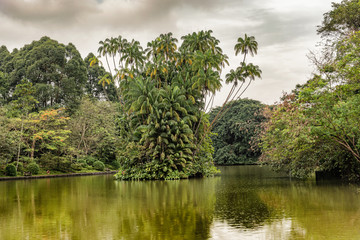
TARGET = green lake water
x,y
245,202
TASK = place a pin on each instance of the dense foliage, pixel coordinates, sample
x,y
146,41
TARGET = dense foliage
x,y
316,127
50,113
165,92
145,115
235,139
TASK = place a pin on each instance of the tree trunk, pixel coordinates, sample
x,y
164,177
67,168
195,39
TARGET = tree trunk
x,y
20,141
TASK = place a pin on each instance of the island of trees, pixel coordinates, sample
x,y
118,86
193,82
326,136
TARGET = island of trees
x,y
145,115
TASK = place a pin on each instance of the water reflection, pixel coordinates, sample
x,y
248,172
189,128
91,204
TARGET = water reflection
x,y
255,203
246,202
101,208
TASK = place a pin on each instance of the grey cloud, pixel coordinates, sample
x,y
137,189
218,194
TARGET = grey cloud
x,y
284,29
39,11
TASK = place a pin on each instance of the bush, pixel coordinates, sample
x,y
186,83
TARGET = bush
x,y
10,170
76,166
89,160
82,163
98,165
33,168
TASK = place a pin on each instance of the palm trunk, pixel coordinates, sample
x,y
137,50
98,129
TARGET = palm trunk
x,y
107,61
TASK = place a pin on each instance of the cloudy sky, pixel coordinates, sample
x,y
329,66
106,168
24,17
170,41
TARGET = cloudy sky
x,y
284,29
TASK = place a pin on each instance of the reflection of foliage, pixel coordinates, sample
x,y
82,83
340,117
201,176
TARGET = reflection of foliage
x,y
237,199
236,130
105,209
317,211
241,208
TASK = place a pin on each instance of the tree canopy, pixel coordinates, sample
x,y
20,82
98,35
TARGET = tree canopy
x,y
235,134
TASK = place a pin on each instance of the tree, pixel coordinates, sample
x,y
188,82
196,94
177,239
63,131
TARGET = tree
x,y
24,102
95,73
56,71
92,128
237,132
344,18
244,46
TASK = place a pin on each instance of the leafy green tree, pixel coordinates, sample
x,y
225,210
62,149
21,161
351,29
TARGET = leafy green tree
x,y
237,131
344,18
95,72
57,72
9,137
24,102
93,127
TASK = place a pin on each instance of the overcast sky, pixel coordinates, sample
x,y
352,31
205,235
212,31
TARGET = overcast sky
x,y
284,29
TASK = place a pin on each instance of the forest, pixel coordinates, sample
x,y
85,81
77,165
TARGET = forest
x,y
145,115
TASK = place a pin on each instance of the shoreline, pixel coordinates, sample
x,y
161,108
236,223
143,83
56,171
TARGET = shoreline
x,y
56,175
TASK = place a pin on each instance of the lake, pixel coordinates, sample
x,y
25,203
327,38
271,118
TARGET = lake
x,y
245,202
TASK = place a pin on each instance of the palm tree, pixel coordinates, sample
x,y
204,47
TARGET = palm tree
x,y
105,80
103,51
133,55
246,45
122,44
167,45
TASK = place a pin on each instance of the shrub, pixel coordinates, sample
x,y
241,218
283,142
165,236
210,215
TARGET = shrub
x,y
10,170
33,168
82,163
98,165
76,166
90,160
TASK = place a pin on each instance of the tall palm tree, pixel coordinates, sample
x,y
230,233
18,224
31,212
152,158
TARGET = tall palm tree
x,y
167,45
133,55
105,80
246,45
122,44
103,51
